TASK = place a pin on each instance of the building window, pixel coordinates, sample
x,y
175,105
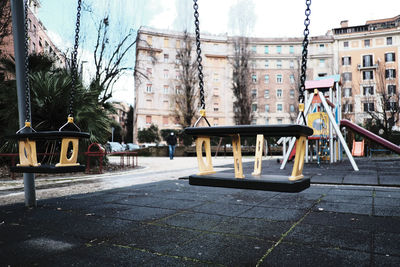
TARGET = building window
x,y
279,120
279,78
2,76
321,48
166,74
253,64
346,61
216,77
166,89
254,93
216,121
291,77
266,49
292,93
177,74
165,120
279,64
367,61
347,92
279,107
369,106
291,64
216,92
165,104
368,75
254,49
278,93
346,76
266,121
348,108
266,63
177,61
346,44
266,108
390,57
166,58
178,90
254,107
254,78
368,90
253,122
391,105
390,74
216,106
149,103
391,89
367,42
389,40
149,72
278,49
166,42
266,93
266,78
149,88
148,120
291,108
291,49
178,44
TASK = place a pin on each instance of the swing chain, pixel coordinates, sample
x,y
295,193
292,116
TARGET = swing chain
x,y
199,58
27,87
305,52
74,61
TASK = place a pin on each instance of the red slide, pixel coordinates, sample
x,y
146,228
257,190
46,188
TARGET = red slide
x,y
377,139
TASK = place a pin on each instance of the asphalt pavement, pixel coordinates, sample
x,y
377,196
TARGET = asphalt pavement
x,y
150,217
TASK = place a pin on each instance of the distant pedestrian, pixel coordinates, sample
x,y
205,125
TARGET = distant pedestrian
x,y
171,141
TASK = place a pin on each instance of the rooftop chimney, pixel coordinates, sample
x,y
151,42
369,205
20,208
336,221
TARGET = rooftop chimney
x,y
344,23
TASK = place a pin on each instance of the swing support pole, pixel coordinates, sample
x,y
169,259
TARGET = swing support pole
x,y
18,26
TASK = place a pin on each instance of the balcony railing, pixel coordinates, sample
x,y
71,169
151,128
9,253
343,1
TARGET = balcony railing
x,y
368,67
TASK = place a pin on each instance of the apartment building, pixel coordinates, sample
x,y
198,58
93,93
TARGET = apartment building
x,y
39,41
274,65
368,61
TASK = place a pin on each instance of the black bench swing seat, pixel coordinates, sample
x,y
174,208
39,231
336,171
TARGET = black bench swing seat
x,y
28,157
255,180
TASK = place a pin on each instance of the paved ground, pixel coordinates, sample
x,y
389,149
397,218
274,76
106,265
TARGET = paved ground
x,y
166,222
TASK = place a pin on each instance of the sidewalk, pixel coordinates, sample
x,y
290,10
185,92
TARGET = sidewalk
x,y
170,223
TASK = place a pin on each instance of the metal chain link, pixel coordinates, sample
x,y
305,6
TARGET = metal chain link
x,y
199,58
27,87
305,52
74,68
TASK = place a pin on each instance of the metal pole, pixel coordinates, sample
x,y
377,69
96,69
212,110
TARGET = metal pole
x,y
18,21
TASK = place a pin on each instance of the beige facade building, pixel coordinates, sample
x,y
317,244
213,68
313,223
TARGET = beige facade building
x,y
368,60
275,70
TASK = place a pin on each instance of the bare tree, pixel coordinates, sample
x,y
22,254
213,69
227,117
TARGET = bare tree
x,y
385,114
109,61
5,20
186,95
241,82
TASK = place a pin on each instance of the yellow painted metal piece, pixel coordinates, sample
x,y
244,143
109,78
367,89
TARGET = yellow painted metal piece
x,y
297,172
28,124
319,121
64,159
204,167
315,91
70,119
27,153
237,156
202,112
258,156
301,107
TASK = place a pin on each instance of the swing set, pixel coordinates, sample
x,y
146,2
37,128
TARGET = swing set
x,y
296,182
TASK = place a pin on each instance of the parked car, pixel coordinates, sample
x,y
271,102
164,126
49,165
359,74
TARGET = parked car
x,y
113,147
131,146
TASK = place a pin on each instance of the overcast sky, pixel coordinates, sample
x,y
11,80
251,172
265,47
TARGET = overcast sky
x,y
273,18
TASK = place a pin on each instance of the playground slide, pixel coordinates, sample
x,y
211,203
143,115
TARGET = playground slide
x,y
383,142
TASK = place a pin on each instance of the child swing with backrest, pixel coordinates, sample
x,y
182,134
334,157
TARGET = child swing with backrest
x,y
27,136
296,182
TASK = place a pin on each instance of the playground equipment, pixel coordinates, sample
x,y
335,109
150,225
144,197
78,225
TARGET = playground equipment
x,y
358,149
207,176
27,136
323,112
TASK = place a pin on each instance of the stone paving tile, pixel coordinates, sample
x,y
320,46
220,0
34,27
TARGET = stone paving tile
x,y
144,213
354,199
387,211
287,203
386,260
229,251
387,201
344,207
303,255
387,243
331,236
387,193
191,220
155,238
258,228
177,204
323,179
221,209
274,214
368,179
389,179
138,200
367,192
